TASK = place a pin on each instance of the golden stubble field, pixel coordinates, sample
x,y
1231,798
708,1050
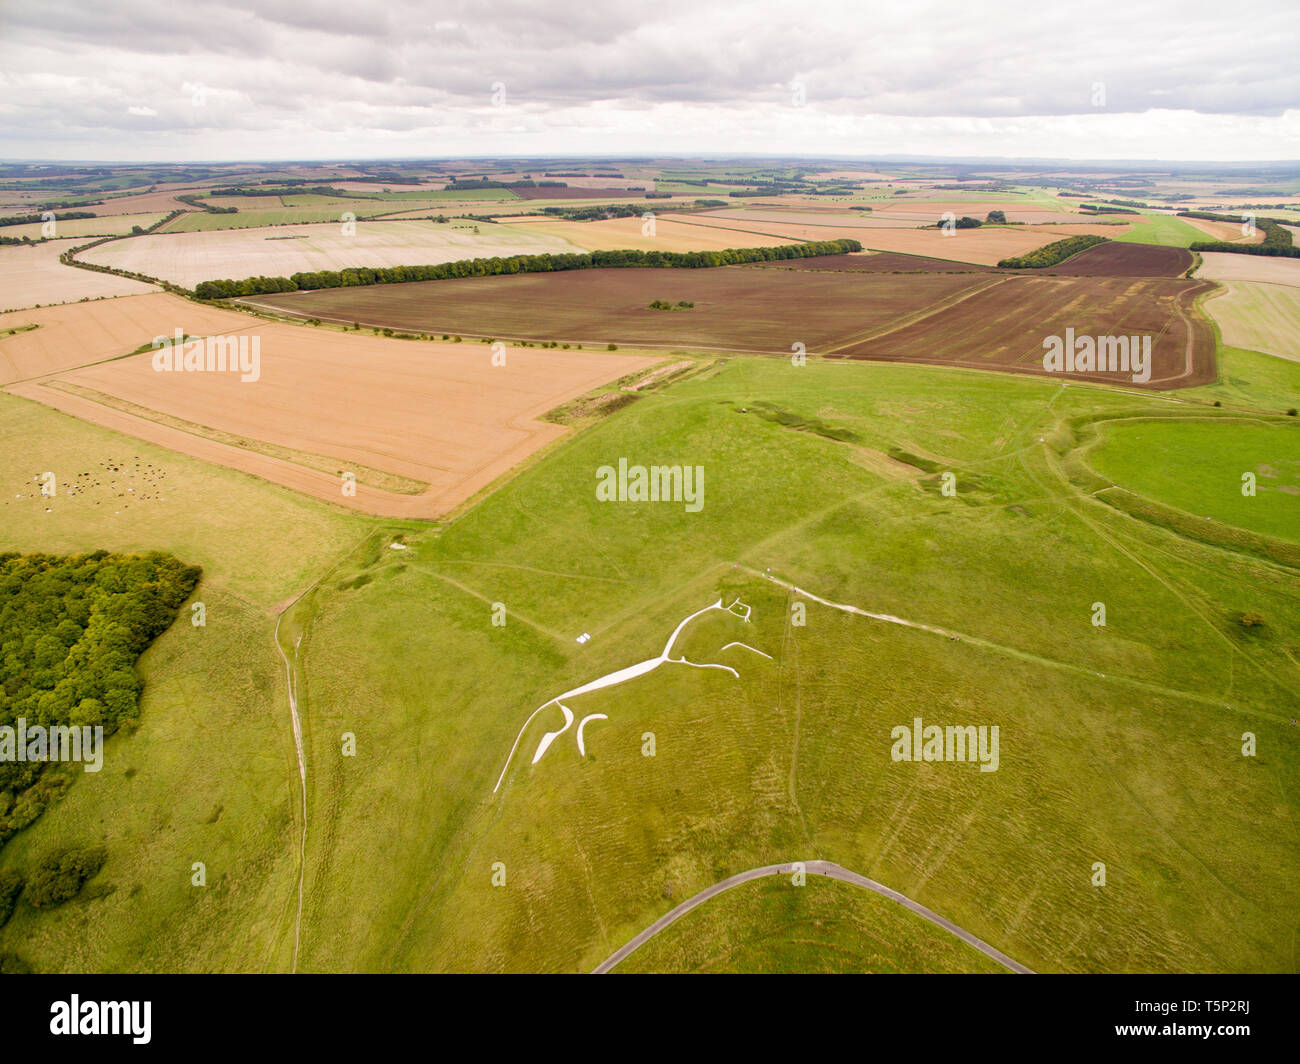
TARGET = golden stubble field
x,y
32,275
441,417
687,233
80,333
187,258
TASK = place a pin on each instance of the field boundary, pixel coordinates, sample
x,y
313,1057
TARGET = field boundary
x,y
1085,435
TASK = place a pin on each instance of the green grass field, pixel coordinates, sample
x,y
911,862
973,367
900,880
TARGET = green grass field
x,y
1198,466
1139,767
1119,744
1163,229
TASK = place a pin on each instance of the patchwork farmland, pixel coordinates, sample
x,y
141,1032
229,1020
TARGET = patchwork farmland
x,y
406,536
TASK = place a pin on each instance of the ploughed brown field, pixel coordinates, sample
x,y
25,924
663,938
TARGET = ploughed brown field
x,y
877,262
993,320
1004,327
735,309
1112,259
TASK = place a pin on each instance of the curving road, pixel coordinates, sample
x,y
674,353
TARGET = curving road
x,y
816,868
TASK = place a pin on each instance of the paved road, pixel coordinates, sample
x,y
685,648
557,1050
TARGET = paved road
x,y
816,868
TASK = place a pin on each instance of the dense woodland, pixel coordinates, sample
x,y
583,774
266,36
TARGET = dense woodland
x,y
1051,254
71,629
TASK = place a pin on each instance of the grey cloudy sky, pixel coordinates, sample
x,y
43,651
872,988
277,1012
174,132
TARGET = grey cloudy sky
x,y
280,79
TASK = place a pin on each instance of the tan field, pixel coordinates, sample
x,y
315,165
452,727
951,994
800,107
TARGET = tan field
x,y
278,251
1225,266
671,234
924,212
1230,231
102,225
742,219
77,334
433,423
33,276
1258,317
161,202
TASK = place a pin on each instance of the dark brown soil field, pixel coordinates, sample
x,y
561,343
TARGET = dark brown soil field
x,y
1105,260
995,320
1004,327
881,262
1127,260
735,309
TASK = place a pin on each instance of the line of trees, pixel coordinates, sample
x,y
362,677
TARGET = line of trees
x,y
60,216
195,199
1051,254
492,267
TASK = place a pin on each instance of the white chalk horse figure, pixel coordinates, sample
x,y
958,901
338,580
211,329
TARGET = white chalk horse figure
x,y
737,608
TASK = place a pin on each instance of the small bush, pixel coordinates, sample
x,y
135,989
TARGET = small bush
x,y
62,875
611,347
11,885
1251,619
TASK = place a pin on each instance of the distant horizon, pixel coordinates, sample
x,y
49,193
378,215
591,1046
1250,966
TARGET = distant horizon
x,y
1041,162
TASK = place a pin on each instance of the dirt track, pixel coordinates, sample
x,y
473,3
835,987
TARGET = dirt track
x,y
817,868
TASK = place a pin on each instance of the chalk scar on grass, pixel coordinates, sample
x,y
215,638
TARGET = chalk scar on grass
x,y
620,676
747,647
551,736
582,747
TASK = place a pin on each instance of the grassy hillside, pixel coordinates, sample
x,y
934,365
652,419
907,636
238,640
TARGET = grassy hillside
x,y
1119,744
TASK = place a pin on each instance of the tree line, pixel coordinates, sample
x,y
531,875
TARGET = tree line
x,y
1051,254
60,216
1277,237
492,267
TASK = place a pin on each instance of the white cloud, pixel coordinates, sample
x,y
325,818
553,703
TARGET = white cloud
x,y
311,79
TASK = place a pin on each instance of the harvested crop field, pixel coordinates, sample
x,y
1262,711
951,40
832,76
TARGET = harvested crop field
x,y
421,426
1258,317
77,334
573,192
670,234
1229,231
103,225
982,246
792,216
188,258
1267,269
735,309
1004,327
32,275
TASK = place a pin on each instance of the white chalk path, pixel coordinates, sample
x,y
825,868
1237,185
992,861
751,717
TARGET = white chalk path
x,y
613,679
